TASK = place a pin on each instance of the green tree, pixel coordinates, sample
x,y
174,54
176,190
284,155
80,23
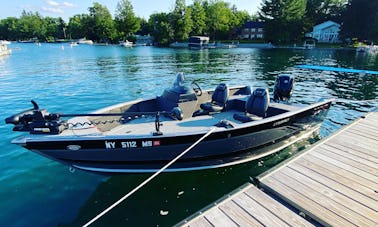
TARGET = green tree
x,y
284,20
100,24
162,29
198,18
55,28
125,19
76,26
219,18
8,28
30,25
145,27
181,21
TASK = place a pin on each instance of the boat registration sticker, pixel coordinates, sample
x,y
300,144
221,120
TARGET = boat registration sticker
x,y
131,144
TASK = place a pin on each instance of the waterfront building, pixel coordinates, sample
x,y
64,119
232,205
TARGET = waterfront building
x,y
326,32
252,30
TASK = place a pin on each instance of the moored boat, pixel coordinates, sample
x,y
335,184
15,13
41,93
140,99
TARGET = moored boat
x,y
4,48
85,41
126,43
143,135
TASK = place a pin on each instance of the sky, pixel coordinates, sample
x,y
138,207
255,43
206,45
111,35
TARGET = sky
x,y
68,8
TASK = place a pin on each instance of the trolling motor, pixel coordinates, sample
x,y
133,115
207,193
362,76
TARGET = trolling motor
x,y
283,87
39,121
36,121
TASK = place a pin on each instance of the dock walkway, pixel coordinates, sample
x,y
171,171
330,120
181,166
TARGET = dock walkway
x,y
334,183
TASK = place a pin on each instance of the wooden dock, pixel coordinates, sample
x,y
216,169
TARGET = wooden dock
x,y
334,183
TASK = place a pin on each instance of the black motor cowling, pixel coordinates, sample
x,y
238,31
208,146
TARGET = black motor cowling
x,y
283,87
36,121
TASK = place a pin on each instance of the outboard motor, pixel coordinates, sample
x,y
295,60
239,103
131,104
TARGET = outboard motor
x,y
283,87
36,121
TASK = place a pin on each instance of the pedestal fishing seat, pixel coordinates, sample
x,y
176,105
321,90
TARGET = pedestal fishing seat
x,y
255,107
218,99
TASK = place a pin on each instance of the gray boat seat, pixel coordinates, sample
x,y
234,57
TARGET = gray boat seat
x,y
218,99
255,107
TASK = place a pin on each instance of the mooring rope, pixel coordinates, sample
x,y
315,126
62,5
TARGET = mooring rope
x,y
149,179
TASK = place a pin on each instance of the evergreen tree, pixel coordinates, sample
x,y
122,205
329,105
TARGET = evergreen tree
x,y
284,20
125,19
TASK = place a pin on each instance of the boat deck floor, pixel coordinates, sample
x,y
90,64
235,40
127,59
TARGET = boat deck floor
x,y
146,125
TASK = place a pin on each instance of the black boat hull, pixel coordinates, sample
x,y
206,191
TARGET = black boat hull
x,y
221,148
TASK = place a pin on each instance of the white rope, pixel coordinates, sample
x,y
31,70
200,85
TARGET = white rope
x,y
149,179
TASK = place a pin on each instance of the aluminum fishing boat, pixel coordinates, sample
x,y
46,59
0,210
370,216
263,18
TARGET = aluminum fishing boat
x,y
144,135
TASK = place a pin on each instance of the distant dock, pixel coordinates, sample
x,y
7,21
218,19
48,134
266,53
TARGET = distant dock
x,y
333,183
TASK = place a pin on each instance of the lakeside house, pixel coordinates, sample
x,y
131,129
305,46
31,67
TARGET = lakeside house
x,y
326,32
252,30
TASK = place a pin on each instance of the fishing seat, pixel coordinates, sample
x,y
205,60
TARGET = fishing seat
x,y
255,107
218,99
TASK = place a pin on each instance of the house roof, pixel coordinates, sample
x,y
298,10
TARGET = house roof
x,y
253,24
326,25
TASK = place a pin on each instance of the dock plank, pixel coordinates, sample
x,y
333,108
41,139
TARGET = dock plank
x,y
301,202
200,222
350,168
332,168
361,139
359,163
353,156
359,129
216,217
247,207
330,193
350,145
284,213
257,211
352,187
355,151
238,214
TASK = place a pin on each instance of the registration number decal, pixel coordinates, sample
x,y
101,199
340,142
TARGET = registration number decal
x,y
131,144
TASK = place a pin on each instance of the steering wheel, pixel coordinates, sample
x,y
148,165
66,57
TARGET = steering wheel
x,y
196,88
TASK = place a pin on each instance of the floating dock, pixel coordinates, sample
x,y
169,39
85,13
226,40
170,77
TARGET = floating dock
x,y
334,183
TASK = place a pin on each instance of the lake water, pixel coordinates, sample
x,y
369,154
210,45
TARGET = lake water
x,y
35,191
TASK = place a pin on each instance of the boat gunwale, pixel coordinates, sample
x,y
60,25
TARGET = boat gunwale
x,y
93,137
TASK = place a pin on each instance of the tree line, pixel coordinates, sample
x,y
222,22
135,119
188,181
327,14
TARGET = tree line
x,y
286,21
214,18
